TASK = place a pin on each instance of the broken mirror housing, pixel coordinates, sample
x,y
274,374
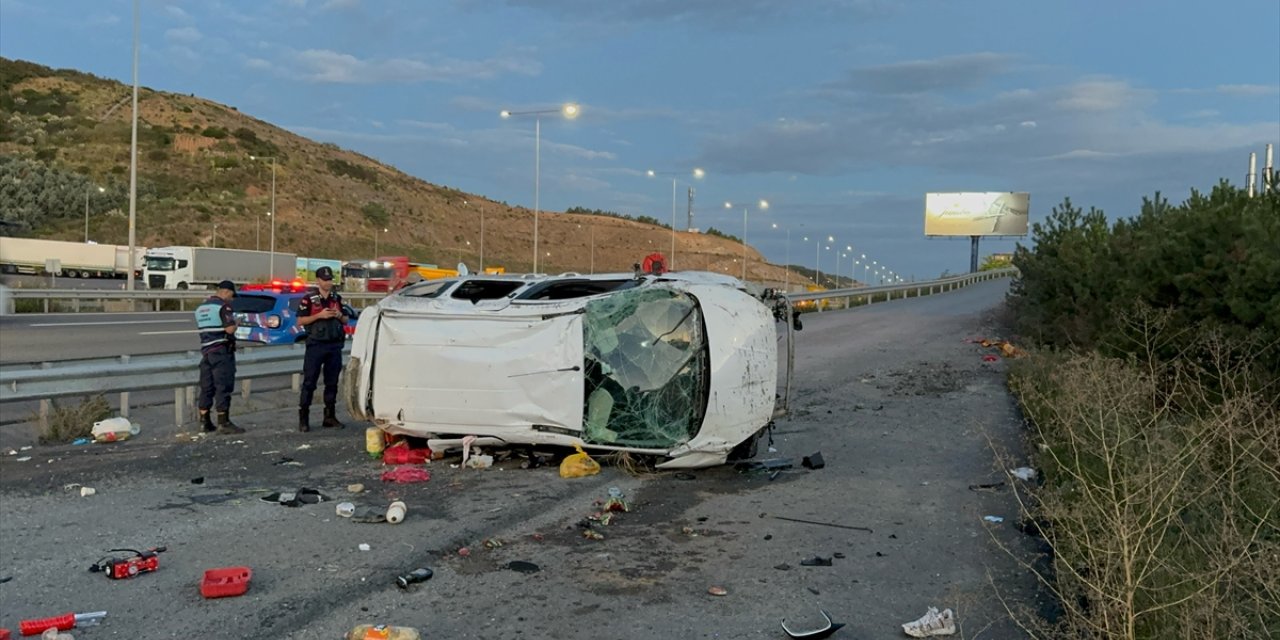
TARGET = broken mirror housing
x,y
678,365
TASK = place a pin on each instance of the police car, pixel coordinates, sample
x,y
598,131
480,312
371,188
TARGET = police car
x,y
268,313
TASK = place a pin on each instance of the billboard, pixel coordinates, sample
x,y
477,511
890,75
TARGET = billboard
x,y
994,213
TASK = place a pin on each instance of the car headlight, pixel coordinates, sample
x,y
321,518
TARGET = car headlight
x,y
273,322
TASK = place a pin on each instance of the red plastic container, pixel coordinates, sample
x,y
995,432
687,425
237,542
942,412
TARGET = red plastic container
x,y
225,582
401,454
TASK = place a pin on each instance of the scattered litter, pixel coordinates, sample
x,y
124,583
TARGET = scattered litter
x,y
492,543
989,358
782,567
395,513
374,442
464,552
824,524
773,449
813,461
578,465
364,547
26,448
615,492
413,577
816,561
80,441
406,474
236,442
986,487
1024,473
772,464
521,566
197,480
225,582
303,447
838,556
22,459
717,591
355,488
295,498
71,486
688,531
267,453
479,461
592,534
345,509
286,461
5,579
932,623
813,591
684,475
114,430
995,519
87,491
11,452
823,630
537,537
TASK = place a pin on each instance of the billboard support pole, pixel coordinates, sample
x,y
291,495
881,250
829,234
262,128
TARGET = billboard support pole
x,y
973,253
1252,175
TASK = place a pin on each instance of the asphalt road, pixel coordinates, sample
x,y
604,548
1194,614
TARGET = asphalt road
x,y
902,407
66,336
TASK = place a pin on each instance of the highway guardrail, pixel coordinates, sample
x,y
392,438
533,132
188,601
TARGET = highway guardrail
x,y
48,381
75,299
867,295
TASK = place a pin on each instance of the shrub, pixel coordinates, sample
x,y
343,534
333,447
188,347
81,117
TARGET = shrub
x,y
66,423
376,214
214,132
343,168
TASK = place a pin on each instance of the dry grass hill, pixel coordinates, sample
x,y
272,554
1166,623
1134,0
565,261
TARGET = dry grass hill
x,y
195,171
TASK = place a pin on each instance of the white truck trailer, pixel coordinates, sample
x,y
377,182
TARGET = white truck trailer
x,y
72,259
202,268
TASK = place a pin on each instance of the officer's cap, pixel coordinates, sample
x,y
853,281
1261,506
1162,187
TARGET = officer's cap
x,y
324,273
228,285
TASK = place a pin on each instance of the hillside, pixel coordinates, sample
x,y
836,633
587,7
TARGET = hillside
x,y
65,133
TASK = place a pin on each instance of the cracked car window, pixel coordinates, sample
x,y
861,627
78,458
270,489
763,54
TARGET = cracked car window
x,y
647,368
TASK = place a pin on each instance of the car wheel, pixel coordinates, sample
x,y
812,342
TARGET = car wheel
x,y
182,285
747,449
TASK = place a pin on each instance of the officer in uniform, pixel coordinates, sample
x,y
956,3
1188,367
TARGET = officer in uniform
x,y
217,328
321,313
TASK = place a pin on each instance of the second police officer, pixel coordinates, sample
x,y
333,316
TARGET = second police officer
x,y
320,311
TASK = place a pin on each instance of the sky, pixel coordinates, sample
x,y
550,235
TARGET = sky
x,y
841,114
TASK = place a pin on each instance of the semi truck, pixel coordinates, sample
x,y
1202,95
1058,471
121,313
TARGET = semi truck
x,y
202,267
72,259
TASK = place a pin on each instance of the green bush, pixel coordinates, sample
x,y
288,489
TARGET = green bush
x,y
214,132
1211,263
343,168
376,214
66,423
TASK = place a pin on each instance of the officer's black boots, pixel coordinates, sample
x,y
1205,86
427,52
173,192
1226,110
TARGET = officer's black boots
x,y
304,419
331,418
225,425
206,421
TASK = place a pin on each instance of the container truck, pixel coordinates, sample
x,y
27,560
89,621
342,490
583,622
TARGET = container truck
x,y
75,259
202,268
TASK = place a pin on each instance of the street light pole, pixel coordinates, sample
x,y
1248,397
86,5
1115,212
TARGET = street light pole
x,y
697,173
215,235
764,204
133,162
86,212
272,215
569,111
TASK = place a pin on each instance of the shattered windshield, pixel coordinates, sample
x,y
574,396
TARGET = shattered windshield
x,y
646,368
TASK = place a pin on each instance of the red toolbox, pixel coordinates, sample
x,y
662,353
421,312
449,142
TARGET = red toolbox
x,y
225,582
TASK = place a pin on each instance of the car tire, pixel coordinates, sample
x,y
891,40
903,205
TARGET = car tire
x,y
747,449
182,286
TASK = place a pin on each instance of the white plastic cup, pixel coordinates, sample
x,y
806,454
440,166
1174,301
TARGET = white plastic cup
x,y
346,509
395,513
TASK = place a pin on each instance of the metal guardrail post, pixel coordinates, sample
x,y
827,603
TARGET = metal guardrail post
x,y
177,407
245,386
124,395
191,400
295,382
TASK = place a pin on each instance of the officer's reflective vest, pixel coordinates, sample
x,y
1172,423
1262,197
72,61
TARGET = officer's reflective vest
x,y
209,322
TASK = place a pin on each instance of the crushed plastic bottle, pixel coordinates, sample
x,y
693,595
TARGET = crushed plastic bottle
x,y
383,632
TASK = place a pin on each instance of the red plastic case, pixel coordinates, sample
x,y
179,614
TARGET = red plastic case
x,y
225,582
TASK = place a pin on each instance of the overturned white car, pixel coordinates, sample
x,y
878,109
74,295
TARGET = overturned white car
x,y
681,365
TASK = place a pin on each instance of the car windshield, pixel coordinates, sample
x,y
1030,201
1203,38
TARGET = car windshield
x,y
248,303
647,370
155,263
354,272
380,272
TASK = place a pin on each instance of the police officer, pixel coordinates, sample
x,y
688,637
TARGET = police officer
x,y
321,313
217,327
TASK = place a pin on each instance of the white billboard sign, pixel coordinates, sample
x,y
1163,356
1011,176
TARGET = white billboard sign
x,y
994,213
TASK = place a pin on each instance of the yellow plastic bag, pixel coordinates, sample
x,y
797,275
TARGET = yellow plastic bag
x,y
578,465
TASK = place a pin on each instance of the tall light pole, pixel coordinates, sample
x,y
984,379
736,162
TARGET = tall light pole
x,y
86,211
257,234
272,214
375,243
763,205
215,235
866,270
133,162
697,174
786,279
569,111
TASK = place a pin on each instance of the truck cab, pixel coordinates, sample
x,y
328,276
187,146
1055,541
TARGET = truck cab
x,y
167,268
